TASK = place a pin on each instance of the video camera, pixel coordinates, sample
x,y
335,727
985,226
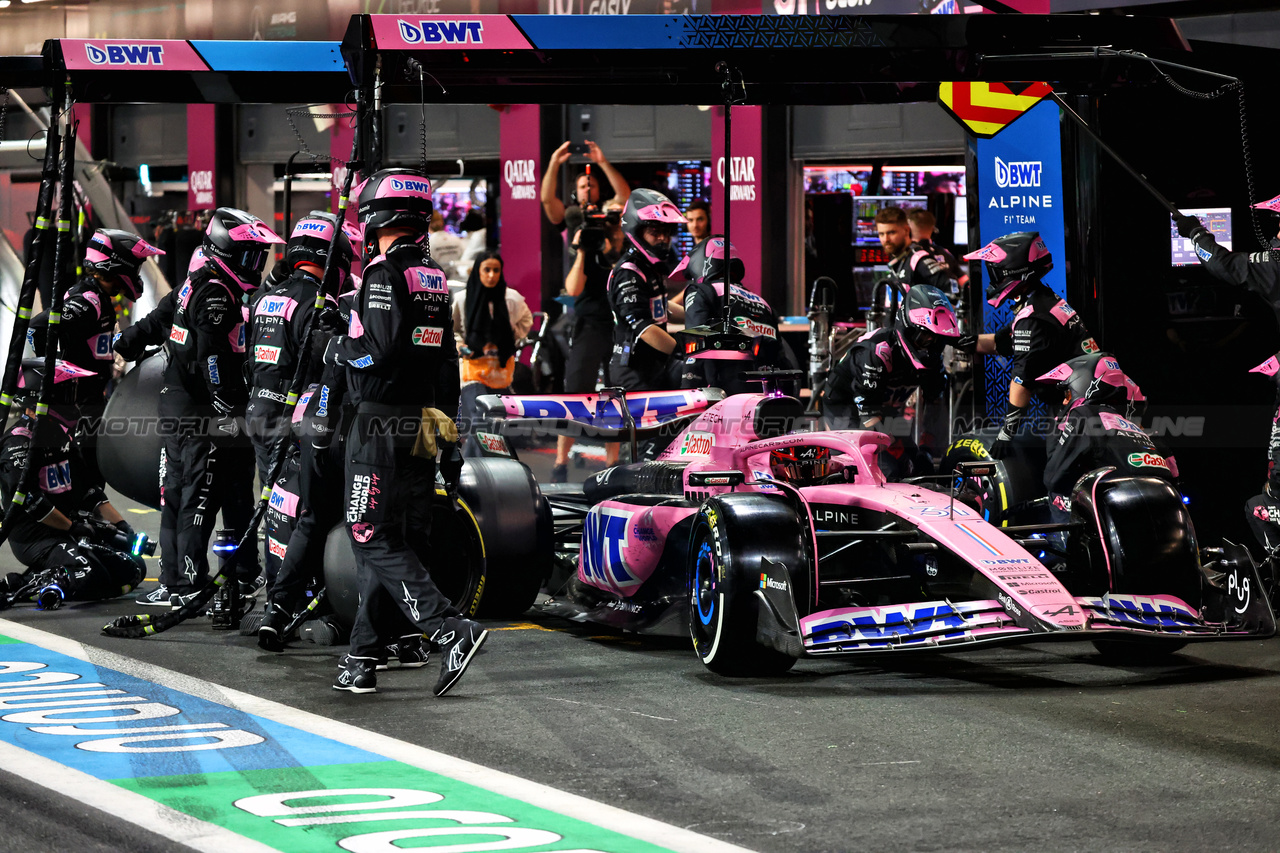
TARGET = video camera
x,y
596,225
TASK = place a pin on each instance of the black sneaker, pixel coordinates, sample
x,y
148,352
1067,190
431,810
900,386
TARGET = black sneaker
x,y
271,632
459,639
158,597
250,589
357,676
408,653
380,662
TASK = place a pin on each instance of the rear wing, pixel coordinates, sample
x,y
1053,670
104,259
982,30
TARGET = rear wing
x,y
600,415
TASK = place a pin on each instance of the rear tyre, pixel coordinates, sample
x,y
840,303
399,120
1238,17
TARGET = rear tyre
x,y
732,537
515,523
457,563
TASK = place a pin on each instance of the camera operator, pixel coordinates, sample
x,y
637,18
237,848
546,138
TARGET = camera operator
x,y
597,243
587,189
65,510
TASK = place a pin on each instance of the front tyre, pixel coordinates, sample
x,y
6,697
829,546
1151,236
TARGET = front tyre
x,y
724,572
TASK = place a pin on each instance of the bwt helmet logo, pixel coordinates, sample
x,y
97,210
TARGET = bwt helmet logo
x,y
126,54
411,186
1026,174
312,226
442,32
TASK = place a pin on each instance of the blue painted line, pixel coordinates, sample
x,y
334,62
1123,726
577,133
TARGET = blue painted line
x,y
47,707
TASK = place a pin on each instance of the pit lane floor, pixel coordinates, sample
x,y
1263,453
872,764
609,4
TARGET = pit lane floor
x,y
1007,749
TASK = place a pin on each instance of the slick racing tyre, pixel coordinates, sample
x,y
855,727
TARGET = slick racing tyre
x,y
130,446
515,521
734,542
1019,477
456,564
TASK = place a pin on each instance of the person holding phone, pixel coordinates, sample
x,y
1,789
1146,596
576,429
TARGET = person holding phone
x,y
588,190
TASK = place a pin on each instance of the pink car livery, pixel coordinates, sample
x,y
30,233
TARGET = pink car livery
x,y
760,569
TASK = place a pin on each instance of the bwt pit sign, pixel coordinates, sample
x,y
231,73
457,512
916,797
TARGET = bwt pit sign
x,y
521,177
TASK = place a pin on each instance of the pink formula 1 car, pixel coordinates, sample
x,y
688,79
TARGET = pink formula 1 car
x,y
768,545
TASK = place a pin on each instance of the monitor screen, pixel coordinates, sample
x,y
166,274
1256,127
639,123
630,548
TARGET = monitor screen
x,y
865,208
456,197
1216,219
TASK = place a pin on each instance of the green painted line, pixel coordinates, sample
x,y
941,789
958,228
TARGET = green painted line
x,y
224,799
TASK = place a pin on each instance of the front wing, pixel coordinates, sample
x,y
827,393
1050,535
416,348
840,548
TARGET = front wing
x,y
934,625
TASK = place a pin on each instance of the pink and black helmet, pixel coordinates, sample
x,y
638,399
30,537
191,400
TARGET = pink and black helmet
x,y
310,241
394,197
31,380
238,243
1095,378
1012,261
645,208
706,262
926,321
118,255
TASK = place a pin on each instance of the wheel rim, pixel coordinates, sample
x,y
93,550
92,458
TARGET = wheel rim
x,y
704,584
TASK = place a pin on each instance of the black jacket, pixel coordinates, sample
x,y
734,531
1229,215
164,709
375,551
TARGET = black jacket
x,y
1093,436
1045,332
399,348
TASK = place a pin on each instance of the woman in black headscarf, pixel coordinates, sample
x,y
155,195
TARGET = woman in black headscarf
x,y
488,319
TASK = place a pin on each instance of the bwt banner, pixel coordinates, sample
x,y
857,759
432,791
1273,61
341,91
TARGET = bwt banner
x,y
1020,189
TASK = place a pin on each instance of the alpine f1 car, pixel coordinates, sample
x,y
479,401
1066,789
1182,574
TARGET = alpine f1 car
x,y
768,545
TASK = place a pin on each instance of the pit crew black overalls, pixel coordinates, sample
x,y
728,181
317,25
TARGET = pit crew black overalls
x,y
867,383
704,306
278,323
400,357
85,335
638,299
85,574
1045,332
1094,436
205,470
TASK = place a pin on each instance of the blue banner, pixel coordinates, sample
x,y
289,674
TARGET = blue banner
x,y
1019,188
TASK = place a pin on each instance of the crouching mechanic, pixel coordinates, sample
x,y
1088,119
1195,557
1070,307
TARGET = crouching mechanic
x,y
66,533
401,364
642,347
905,355
1092,431
112,263
704,306
1045,331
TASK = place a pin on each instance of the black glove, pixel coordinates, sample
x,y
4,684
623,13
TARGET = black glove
x,y
126,528
331,353
966,343
126,347
82,531
1012,420
226,426
450,462
331,320
1187,225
